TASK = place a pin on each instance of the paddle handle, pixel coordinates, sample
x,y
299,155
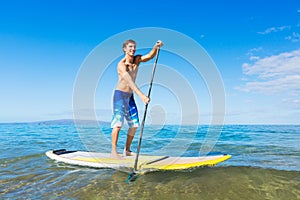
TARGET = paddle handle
x,y
145,112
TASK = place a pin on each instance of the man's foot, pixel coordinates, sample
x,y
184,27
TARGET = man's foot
x,y
128,153
115,155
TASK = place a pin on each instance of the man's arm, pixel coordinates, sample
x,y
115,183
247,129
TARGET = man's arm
x,y
152,53
125,75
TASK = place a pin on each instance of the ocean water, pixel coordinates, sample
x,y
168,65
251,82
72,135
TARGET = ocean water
x,y
265,163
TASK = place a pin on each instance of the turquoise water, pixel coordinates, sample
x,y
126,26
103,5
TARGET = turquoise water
x,y
265,163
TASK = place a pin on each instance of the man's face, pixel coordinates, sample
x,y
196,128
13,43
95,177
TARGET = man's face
x,y
130,49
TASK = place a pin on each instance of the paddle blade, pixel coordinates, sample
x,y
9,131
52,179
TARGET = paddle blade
x,y
132,177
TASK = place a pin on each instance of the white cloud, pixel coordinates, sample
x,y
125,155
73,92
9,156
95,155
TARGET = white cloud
x,y
254,58
274,29
295,103
278,85
287,63
251,51
273,74
295,37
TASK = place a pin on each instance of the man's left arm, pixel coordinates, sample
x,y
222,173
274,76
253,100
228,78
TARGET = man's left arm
x,y
152,53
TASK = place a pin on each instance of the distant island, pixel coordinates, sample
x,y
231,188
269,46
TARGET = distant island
x,y
67,122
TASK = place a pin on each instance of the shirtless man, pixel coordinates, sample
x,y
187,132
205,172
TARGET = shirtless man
x,y
123,104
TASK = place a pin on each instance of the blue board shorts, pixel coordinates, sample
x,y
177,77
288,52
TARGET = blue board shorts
x,y
124,107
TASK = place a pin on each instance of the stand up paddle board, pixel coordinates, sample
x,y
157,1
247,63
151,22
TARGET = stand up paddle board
x,y
146,162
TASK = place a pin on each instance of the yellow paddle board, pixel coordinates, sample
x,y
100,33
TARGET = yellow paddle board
x,y
146,162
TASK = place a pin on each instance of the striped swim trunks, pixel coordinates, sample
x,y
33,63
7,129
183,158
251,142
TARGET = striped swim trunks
x,y
124,107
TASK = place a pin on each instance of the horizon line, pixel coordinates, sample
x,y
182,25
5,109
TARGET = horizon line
x,y
70,120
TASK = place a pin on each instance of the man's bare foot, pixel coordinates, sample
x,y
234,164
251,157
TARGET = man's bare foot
x,y
115,155
128,153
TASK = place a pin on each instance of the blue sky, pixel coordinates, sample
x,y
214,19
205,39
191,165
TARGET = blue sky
x,y
254,44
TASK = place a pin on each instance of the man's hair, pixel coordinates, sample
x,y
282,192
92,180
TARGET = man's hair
x,y
127,42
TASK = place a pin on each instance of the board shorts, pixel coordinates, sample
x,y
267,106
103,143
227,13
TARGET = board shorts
x,y
124,107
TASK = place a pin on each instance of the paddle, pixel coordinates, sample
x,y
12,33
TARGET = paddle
x,y
132,175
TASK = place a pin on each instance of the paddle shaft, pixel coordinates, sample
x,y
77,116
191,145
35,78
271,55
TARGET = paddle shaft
x,y
145,112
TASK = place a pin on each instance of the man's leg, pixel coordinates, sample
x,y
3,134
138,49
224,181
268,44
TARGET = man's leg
x,y
130,136
114,141
133,122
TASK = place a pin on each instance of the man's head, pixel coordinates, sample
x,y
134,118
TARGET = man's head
x,y
129,46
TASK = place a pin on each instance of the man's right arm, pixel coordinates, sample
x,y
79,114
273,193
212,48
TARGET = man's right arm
x,y
125,75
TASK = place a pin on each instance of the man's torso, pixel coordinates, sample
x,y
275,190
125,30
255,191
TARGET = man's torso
x,y
132,71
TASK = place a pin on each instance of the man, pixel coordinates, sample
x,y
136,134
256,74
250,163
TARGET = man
x,y
123,102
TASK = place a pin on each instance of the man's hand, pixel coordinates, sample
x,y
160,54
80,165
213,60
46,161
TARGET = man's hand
x,y
159,43
145,99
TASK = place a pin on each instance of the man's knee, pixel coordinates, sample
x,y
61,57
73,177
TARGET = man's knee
x,y
116,129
